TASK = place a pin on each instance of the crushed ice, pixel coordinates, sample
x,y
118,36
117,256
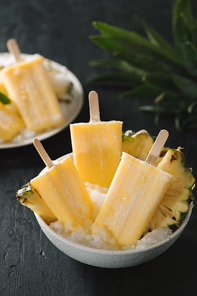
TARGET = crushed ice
x,y
86,238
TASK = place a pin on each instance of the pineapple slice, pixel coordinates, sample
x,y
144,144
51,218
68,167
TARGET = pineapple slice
x,y
8,104
28,196
11,123
137,144
175,203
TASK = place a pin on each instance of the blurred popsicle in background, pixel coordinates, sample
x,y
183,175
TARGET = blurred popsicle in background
x,y
28,85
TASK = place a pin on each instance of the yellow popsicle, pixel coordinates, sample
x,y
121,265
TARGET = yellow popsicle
x,y
97,147
134,195
29,87
65,193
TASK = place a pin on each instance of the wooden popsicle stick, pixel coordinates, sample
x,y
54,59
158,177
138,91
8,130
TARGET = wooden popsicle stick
x,y
14,49
43,154
157,146
94,107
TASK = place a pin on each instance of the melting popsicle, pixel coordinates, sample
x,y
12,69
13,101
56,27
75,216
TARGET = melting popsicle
x,y
97,146
29,87
63,191
133,197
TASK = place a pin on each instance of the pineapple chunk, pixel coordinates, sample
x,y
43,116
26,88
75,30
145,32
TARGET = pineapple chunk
x,y
11,123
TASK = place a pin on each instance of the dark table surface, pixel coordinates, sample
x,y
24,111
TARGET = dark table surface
x,y
29,263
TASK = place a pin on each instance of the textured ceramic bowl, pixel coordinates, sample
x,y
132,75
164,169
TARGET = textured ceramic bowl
x,y
108,258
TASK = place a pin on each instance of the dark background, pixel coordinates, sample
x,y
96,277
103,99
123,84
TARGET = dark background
x,y
29,263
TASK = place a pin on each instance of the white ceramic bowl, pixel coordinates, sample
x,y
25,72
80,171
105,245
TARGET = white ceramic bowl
x,y
108,258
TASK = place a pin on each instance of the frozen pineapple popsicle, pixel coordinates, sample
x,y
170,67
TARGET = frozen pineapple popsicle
x,y
63,191
133,197
10,123
29,87
97,146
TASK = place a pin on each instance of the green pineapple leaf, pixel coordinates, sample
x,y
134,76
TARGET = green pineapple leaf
x,y
183,7
152,108
143,90
186,85
194,33
183,121
189,52
161,80
113,64
138,59
182,35
4,99
152,67
117,79
135,40
157,39
192,107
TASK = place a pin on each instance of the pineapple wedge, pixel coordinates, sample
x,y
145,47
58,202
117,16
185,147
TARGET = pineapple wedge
x,y
137,144
175,202
28,196
10,106
11,123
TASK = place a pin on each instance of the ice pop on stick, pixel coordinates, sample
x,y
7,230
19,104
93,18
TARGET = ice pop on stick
x,y
133,197
63,191
28,85
97,146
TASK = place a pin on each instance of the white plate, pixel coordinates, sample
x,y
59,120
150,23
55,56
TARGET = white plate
x,y
69,110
